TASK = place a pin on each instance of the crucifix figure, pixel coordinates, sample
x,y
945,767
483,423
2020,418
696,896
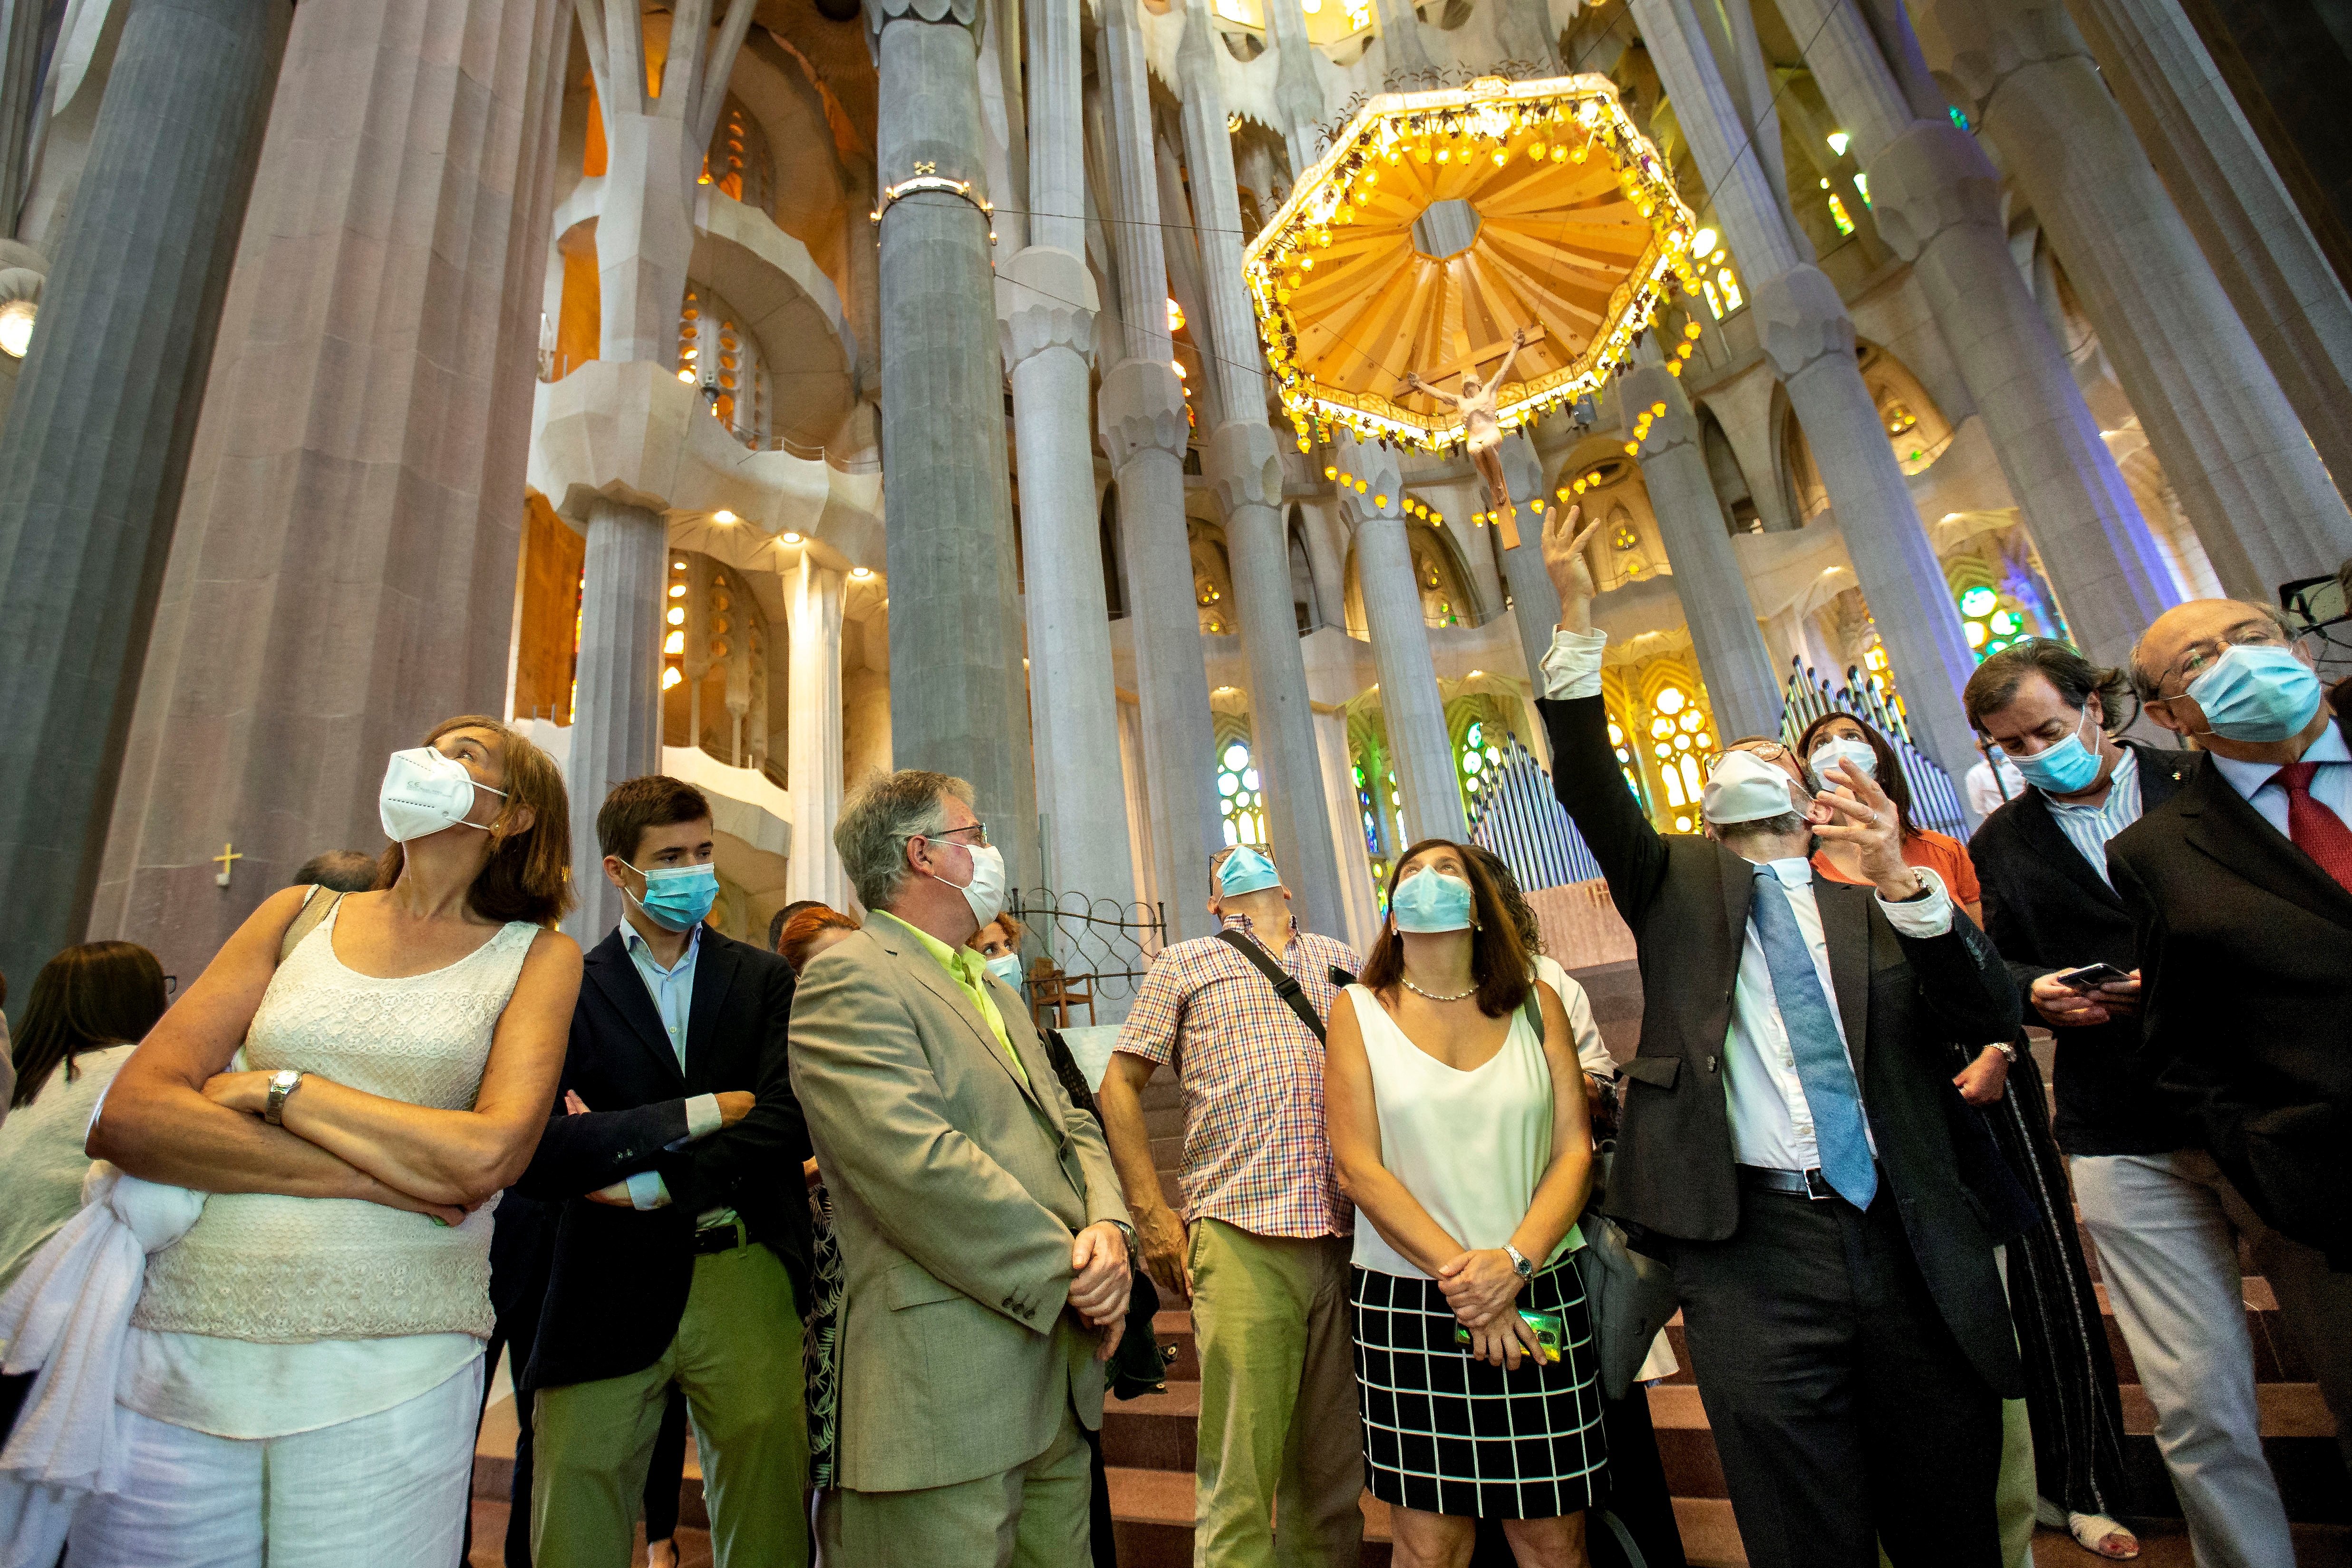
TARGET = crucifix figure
x,y
227,858
1483,430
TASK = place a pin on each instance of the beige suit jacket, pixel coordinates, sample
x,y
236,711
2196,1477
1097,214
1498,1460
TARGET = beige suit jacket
x,y
956,1191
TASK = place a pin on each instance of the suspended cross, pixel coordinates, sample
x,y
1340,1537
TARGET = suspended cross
x,y
228,853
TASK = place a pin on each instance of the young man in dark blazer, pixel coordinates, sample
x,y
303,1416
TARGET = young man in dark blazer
x,y
2165,1222
682,1248
1787,1138
2239,888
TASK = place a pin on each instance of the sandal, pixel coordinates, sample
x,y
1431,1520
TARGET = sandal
x,y
2095,1532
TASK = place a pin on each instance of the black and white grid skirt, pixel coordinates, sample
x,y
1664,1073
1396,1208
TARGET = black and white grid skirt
x,y
1445,1434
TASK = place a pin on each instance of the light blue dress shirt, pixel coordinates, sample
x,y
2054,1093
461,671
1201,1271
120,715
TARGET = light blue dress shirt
x,y
2257,783
2088,827
672,990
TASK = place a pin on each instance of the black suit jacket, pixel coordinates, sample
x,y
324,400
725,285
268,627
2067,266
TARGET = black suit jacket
x,y
1903,1001
620,1278
2245,951
2046,910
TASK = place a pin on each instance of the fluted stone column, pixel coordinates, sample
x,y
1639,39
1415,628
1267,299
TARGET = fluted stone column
x,y
1245,464
2249,479
1808,337
2225,185
1535,604
1416,713
1298,93
1045,305
1144,434
1742,686
616,730
958,702
98,436
812,732
1938,200
1401,39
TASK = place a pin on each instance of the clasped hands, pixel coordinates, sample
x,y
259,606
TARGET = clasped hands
x,y
1099,1281
1481,1286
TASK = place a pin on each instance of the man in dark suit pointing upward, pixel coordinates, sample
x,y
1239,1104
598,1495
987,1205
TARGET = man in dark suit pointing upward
x,y
1788,1139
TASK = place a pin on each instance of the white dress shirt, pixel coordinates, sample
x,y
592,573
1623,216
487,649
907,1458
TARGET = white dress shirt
x,y
2257,783
1987,794
1771,1124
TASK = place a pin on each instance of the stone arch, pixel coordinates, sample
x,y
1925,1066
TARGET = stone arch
x,y
737,164
1213,577
1916,427
1802,495
1731,488
1306,600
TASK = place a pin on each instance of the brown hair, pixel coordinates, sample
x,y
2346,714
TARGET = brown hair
x,y
529,874
1993,686
1014,929
1890,766
650,800
803,928
86,998
1499,958
1507,888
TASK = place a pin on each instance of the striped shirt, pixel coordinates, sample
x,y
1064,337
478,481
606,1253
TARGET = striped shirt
x,y
2088,827
1256,1154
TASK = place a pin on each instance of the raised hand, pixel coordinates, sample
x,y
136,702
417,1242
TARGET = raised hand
x,y
1571,575
1863,815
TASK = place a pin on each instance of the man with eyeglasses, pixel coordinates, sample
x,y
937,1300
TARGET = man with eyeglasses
x,y
2239,889
984,1244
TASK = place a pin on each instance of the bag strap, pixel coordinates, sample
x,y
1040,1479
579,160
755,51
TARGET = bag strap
x,y
314,910
1285,985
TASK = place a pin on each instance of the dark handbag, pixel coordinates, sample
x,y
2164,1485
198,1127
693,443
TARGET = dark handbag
x,y
1139,1366
1630,1295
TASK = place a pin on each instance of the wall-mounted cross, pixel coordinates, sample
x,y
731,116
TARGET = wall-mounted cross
x,y
226,858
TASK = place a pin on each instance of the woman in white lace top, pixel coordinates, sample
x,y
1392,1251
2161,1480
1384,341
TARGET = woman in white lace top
x,y
304,1368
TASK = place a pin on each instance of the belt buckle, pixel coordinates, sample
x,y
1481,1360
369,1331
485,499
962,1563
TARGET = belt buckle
x,y
1817,1186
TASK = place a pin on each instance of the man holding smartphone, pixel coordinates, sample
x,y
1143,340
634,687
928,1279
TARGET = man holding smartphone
x,y
2165,1220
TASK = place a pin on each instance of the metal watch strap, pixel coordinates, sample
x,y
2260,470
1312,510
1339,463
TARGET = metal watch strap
x,y
1520,1264
281,1085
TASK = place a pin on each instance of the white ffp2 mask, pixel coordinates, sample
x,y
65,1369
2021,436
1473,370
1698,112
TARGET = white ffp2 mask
x,y
424,791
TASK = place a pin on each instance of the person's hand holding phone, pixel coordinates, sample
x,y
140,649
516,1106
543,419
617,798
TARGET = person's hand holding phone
x,y
2091,994
1504,1342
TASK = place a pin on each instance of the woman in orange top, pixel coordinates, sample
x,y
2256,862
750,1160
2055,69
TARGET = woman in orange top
x,y
1945,856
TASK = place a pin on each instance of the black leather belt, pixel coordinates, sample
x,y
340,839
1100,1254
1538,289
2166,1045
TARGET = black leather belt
x,y
1795,1183
721,1237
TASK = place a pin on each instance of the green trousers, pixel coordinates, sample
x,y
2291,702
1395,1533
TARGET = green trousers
x,y
737,1359
1281,1433
1032,1516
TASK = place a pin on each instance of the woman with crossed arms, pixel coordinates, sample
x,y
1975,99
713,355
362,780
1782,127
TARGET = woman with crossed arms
x,y
1459,1129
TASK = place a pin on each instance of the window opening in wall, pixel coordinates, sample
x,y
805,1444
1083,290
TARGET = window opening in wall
x,y
1239,803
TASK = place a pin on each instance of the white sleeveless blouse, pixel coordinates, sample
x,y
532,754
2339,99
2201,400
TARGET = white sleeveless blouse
x,y
1470,1146
279,1314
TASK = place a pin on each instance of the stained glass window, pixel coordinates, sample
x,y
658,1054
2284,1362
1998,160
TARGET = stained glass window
x,y
1239,801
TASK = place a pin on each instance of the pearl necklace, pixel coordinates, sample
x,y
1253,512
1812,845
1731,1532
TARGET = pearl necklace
x,y
1430,997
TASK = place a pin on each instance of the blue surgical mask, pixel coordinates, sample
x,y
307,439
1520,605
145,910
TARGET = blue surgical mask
x,y
1246,871
2257,693
677,897
1432,902
1007,968
2067,768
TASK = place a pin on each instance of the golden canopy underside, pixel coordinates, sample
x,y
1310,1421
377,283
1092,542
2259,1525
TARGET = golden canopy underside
x,y
1563,249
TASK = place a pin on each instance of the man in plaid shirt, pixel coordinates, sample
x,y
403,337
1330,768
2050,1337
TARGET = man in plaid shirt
x,y
1265,1259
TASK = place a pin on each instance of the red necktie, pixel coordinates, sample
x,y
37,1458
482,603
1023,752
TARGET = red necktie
x,y
2317,831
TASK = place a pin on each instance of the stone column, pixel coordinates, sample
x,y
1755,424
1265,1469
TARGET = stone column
x,y
1144,434
1298,93
98,437
1810,339
2228,439
1937,201
1245,464
1418,745
2249,228
1535,607
812,732
1742,685
958,702
1045,305
1401,39
616,716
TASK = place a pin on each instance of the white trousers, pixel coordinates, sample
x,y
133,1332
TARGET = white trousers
x,y
387,1490
2166,1226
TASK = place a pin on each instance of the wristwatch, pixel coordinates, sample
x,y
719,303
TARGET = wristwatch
x,y
1520,1264
282,1084
2006,1049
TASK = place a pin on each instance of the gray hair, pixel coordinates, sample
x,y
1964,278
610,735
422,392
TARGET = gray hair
x,y
880,815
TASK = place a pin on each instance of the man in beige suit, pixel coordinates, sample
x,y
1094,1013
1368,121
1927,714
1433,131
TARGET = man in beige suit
x,y
985,1244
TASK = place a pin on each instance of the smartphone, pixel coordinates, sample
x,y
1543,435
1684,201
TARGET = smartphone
x,y
2091,977
1545,1325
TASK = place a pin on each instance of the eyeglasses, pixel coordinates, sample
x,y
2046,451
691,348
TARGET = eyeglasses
x,y
948,835
1768,751
2201,655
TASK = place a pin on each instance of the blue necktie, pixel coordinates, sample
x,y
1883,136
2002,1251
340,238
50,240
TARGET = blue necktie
x,y
1814,1041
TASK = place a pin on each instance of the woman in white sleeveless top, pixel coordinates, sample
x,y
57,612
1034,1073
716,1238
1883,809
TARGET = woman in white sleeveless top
x,y
1459,1129
304,1369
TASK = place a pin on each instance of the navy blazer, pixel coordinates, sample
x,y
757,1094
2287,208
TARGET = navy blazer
x,y
620,1276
